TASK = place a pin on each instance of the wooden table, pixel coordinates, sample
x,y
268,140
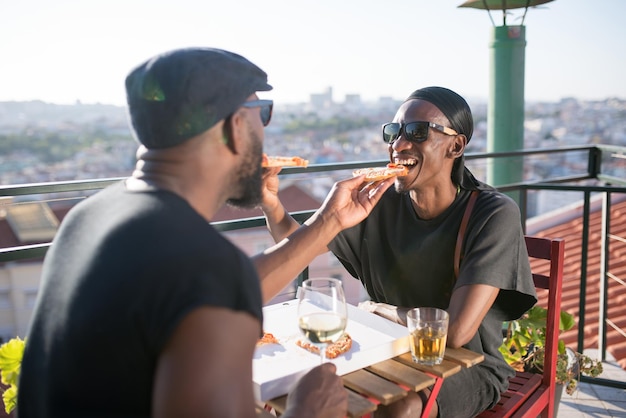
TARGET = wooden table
x,y
391,380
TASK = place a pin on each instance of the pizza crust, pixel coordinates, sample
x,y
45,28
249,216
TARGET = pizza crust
x,y
266,339
333,350
277,161
382,173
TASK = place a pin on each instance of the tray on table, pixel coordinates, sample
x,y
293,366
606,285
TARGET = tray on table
x,y
277,367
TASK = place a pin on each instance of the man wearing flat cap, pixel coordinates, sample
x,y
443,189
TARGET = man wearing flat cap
x,y
145,309
405,251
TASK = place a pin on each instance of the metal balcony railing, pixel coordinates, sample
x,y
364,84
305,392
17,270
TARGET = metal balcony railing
x,y
581,170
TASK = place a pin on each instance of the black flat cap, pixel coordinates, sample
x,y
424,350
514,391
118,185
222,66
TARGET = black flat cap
x,y
182,93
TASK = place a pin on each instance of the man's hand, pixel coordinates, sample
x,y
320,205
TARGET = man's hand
x,y
350,201
269,191
318,394
390,312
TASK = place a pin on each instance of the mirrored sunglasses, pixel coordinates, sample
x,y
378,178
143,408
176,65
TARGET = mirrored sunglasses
x,y
266,106
413,131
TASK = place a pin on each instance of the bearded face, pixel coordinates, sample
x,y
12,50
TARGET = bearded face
x,y
249,181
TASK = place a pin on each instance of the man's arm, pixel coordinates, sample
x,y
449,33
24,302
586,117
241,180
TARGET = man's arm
x,y
279,222
205,370
347,204
468,306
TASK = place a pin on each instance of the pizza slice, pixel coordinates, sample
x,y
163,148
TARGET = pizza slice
x,y
277,161
266,339
341,346
382,173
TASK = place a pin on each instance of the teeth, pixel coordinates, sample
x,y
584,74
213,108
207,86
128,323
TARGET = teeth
x,y
405,161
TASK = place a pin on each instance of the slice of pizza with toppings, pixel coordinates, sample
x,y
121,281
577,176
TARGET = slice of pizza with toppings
x,y
382,173
278,161
341,346
267,338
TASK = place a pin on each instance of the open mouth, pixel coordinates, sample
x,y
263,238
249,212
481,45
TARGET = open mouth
x,y
407,162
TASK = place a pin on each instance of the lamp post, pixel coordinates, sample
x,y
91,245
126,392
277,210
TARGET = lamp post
x,y
505,109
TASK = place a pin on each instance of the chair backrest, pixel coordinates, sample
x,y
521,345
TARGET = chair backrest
x,y
552,250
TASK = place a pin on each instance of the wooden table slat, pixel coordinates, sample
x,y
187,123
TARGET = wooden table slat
x,y
368,384
262,413
358,405
279,404
463,356
403,374
445,369
379,383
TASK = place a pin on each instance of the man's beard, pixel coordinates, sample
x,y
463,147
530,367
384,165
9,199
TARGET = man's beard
x,y
250,178
400,186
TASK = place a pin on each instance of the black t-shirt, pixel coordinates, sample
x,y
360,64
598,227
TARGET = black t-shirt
x,y
407,261
123,271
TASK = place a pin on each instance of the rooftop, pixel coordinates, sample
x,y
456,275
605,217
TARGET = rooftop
x,y
584,235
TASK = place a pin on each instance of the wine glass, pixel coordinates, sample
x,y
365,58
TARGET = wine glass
x,y
322,312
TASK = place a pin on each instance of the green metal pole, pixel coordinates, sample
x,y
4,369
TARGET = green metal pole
x,y
505,119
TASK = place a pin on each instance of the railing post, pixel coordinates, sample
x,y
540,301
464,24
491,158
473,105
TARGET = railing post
x,y
523,206
303,276
604,266
594,164
584,256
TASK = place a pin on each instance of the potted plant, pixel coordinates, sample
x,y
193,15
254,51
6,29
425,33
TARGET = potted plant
x,y
524,348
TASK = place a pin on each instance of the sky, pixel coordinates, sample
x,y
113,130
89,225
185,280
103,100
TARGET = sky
x,y
64,51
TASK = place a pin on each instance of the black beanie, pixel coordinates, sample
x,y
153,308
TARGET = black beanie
x,y
182,93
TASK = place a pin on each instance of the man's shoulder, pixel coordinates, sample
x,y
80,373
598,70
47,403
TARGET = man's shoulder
x,y
494,203
495,198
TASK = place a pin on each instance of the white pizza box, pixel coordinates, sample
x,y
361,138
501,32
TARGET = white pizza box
x,y
277,367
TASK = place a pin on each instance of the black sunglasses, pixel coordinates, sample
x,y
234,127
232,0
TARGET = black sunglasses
x,y
413,131
266,106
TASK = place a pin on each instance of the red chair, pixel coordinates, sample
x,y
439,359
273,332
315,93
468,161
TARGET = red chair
x,y
529,394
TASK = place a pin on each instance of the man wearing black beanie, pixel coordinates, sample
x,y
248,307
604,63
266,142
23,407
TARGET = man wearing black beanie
x,y
145,309
409,251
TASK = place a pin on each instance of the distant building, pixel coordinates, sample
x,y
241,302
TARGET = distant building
x,y
353,99
22,224
322,100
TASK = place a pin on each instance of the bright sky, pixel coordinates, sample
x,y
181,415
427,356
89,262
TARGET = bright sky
x,y
61,51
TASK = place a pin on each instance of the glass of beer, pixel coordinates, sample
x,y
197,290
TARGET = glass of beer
x,y
428,331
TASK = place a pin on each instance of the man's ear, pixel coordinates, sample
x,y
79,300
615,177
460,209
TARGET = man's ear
x,y
458,146
231,132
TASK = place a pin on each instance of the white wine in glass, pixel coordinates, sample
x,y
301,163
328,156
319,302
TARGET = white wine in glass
x,y
322,312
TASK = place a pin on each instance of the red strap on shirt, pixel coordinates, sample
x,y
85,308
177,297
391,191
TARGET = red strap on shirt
x,y
461,233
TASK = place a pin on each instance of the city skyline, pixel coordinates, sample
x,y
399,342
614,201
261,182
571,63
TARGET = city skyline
x,y
68,51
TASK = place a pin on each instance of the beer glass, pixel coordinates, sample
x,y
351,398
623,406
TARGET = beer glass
x,y
428,331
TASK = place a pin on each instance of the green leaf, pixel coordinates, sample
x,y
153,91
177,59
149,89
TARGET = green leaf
x,y
11,354
529,330
567,321
9,397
